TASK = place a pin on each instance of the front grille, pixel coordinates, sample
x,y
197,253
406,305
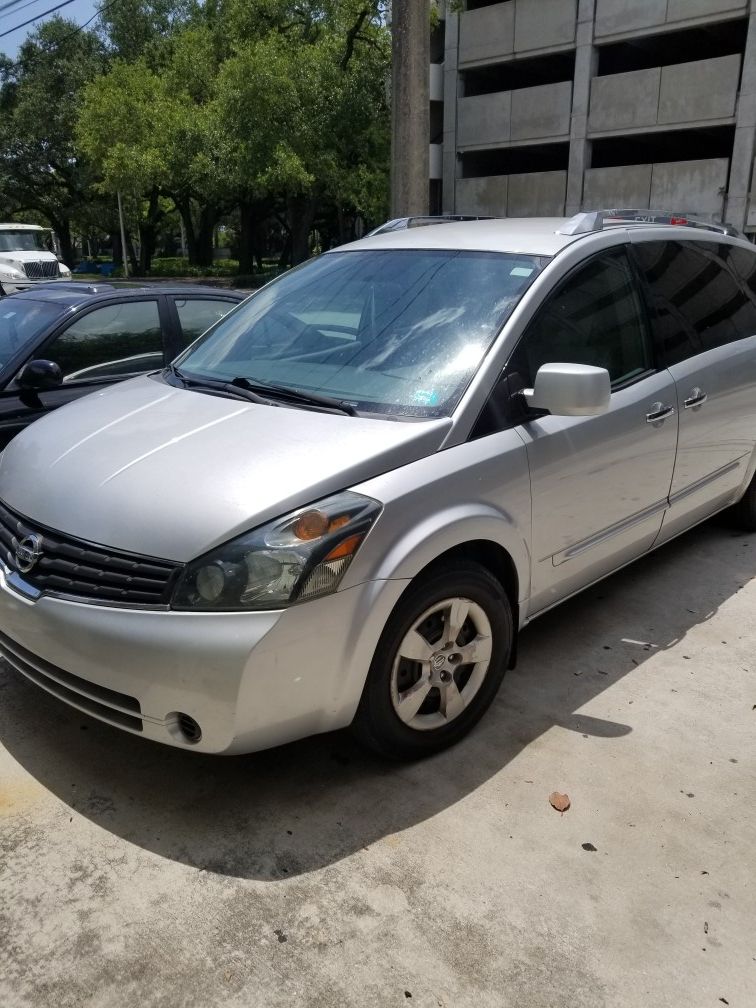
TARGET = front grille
x,y
99,701
73,569
41,270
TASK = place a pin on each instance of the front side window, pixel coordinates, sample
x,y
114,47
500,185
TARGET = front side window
x,y
398,331
594,317
23,323
110,342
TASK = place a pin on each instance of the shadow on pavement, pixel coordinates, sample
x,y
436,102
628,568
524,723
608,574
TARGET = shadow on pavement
x,y
291,810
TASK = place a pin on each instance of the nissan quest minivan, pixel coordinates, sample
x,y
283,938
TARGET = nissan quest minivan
x,y
341,503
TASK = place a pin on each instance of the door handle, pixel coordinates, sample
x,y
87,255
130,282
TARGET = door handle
x,y
659,412
696,398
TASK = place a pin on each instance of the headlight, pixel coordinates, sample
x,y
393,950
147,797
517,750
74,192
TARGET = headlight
x,y
65,272
293,559
9,273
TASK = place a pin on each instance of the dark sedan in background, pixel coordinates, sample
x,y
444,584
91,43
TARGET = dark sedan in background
x,y
61,341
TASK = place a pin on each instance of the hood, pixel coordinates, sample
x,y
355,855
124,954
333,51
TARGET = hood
x,y
166,472
17,256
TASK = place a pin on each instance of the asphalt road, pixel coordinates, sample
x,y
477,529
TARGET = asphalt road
x,y
136,875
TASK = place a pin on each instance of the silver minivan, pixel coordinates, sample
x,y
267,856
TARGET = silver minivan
x,y
341,503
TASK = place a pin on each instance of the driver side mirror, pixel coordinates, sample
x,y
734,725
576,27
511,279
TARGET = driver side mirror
x,y
39,376
570,390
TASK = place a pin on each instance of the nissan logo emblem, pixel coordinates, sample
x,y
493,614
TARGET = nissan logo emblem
x,y
28,551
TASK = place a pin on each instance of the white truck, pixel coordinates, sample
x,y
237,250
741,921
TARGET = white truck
x,y
27,258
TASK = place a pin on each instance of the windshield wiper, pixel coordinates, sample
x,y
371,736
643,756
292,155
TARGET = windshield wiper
x,y
211,385
293,395
260,392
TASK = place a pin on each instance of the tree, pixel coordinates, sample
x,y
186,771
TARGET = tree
x,y
265,106
41,171
303,100
152,135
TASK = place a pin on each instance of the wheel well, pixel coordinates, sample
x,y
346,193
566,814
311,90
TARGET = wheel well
x,y
497,562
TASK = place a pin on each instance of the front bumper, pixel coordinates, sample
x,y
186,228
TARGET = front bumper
x,y
249,680
14,286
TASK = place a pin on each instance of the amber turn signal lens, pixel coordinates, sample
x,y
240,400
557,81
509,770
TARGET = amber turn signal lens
x,y
345,548
338,522
310,525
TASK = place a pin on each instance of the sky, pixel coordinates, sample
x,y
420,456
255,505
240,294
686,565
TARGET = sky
x,y
22,10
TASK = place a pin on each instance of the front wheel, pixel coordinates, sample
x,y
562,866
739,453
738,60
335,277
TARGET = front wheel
x,y
438,664
743,513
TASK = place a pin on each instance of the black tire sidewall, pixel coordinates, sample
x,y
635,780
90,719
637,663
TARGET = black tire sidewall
x,y
377,723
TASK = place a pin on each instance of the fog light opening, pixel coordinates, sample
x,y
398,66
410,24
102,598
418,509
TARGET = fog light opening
x,y
183,727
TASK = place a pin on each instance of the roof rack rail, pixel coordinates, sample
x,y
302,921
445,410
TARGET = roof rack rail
x,y
400,223
594,220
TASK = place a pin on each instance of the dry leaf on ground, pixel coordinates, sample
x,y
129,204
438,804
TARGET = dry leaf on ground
x,y
561,802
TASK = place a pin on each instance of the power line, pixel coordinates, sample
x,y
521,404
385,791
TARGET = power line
x,y
32,20
15,5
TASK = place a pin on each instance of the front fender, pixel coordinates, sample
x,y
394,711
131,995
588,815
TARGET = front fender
x,y
474,491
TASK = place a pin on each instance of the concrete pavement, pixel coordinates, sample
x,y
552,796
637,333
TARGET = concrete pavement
x,y
314,875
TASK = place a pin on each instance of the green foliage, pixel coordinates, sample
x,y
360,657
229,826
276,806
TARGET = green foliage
x,y
177,266
41,169
201,107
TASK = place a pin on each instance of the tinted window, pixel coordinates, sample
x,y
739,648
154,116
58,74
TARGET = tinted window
x,y
743,263
699,303
22,323
197,315
595,317
397,331
109,342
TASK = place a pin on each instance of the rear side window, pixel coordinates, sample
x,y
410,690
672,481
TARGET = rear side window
x,y
699,303
742,262
196,315
594,317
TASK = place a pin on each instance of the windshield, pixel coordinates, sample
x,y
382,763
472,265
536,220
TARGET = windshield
x,y
25,241
399,331
22,323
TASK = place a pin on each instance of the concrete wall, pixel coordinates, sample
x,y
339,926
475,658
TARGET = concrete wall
x,y
436,81
541,111
540,24
482,196
677,10
615,17
518,26
436,160
483,120
691,187
527,114
628,186
538,194
707,89
687,92
486,33
625,100
751,212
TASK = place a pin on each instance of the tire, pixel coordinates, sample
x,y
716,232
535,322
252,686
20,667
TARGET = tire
x,y
419,667
743,514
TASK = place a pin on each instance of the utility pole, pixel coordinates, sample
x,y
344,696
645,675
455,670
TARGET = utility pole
x,y
124,253
410,107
